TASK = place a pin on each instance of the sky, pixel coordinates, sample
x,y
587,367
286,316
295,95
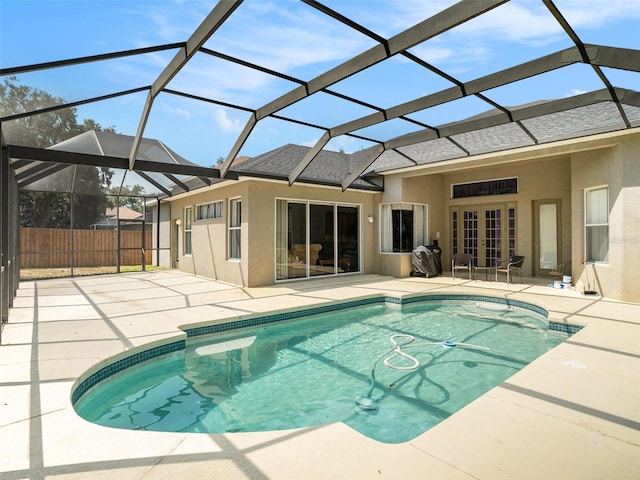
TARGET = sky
x,y
297,40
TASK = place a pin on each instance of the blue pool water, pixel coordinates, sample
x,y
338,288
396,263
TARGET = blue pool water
x,y
327,368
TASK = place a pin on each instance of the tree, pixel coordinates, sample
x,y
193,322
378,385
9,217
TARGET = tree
x,y
43,208
44,129
129,196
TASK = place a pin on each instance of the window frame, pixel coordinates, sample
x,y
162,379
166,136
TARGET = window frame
x,y
187,233
234,229
284,230
217,208
492,185
588,226
387,219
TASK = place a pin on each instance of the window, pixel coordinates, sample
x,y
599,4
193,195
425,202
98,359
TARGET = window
x,y
209,211
512,231
403,227
596,202
503,186
235,221
188,216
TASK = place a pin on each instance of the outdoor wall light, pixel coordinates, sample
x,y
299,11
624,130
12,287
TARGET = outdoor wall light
x,y
178,222
370,218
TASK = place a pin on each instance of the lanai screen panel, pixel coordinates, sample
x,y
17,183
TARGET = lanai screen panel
x,y
388,85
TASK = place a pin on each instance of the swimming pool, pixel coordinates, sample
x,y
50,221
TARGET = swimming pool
x,y
389,371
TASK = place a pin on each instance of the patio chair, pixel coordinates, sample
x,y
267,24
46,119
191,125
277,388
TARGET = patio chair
x,y
299,250
461,261
514,264
559,270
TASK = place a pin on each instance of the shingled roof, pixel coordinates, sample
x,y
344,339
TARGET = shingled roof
x,y
561,125
328,168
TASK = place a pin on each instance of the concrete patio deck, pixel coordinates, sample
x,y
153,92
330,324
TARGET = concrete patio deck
x,y
572,414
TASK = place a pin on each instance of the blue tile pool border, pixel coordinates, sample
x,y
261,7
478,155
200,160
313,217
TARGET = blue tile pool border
x,y
179,345
279,317
564,328
124,363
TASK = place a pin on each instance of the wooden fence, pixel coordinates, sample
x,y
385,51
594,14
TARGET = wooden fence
x,y
51,248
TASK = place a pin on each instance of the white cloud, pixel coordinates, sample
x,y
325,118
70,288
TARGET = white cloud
x,y
344,143
175,111
226,82
574,92
310,143
598,12
531,23
516,30
226,124
524,22
167,21
284,35
456,57
390,17
434,54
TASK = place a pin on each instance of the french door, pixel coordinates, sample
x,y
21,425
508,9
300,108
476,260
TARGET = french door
x,y
487,232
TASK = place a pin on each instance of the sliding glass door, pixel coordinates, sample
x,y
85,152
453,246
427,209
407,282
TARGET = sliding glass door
x,y
291,240
348,239
322,224
315,239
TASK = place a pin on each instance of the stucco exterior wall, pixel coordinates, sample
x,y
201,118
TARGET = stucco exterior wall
x,y
426,190
629,199
538,180
559,171
209,238
618,168
260,208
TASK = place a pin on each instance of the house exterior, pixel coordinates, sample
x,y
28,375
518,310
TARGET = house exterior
x,y
258,231
565,201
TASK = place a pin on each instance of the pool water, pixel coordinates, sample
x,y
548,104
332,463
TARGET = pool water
x,y
318,370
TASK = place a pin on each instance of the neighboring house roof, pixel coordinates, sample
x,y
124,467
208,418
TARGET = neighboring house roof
x,y
105,222
113,214
124,213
